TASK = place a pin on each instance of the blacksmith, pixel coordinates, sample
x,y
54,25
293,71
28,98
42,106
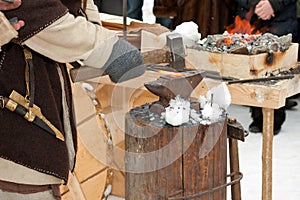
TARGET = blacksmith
x,y
37,149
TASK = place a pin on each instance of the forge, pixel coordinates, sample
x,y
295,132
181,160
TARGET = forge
x,y
245,51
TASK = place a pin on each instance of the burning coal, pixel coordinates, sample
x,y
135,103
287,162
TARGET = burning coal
x,y
245,43
242,37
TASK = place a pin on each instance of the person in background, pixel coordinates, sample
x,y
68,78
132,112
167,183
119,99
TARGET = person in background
x,y
134,9
38,150
280,18
211,16
9,31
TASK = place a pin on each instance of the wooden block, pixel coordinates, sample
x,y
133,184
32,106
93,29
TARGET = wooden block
x,y
118,188
94,187
86,165
243,66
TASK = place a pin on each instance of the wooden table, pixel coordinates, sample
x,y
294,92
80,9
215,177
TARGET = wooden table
x,y
268,97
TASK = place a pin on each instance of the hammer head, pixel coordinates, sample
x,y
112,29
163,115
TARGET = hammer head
x,y
175,43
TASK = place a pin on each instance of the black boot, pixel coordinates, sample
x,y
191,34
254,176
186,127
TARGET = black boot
x,y
257,125
290,103
279,118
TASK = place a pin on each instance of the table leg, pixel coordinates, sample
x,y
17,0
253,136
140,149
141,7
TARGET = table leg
x,y
267,149
234,167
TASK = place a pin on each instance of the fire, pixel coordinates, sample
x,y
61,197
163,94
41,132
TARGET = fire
x,y
171,74
242,26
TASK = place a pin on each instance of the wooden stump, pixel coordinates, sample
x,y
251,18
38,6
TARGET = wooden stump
x,y
165,162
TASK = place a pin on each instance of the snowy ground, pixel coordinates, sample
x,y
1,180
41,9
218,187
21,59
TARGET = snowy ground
x,y
286,157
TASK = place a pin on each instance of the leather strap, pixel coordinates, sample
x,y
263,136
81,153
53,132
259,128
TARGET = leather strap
x,y
29,76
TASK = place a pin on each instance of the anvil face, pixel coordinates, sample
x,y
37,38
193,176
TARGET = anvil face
x,y
167,87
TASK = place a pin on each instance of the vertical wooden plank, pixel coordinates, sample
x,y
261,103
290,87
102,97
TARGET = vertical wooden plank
x,y
140,184
169,161
267,151
234,167
204,162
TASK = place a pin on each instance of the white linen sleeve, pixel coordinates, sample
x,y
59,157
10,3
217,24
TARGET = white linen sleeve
x,y
7,32
92,12
70,39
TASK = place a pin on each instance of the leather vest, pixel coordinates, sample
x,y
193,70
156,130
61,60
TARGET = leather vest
x,y
21,141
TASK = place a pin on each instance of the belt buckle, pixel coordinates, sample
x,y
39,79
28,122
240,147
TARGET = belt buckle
x,y
1,102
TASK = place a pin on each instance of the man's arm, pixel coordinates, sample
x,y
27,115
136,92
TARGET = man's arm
x,y
8,30
9,5
71,39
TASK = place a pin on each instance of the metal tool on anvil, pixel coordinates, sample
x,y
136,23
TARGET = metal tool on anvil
x,y
263,79
18,104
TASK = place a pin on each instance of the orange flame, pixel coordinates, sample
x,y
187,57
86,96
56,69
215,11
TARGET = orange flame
x,y
171,74
243,26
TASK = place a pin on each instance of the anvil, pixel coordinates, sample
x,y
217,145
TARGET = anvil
x,y
167,87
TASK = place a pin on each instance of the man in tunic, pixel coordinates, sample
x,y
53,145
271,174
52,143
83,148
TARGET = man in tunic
x,y
34,161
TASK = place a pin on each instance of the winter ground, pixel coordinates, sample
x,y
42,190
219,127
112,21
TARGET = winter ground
x,y
286,158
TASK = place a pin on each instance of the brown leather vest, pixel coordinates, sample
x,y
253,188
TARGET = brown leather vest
x,y
21,141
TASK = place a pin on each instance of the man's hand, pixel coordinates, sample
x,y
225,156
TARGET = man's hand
x,y
18,25
8,6
264,10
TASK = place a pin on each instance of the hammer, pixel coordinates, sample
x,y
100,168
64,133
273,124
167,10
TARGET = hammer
x,y
174,55
175,43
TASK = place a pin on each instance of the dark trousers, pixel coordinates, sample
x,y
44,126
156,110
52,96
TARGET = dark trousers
x,y
279,116
134,9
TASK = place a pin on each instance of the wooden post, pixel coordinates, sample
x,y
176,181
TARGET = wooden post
x,y
267,149
234,167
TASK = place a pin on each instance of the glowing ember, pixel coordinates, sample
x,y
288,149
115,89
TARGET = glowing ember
x,y
246,36
171,74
